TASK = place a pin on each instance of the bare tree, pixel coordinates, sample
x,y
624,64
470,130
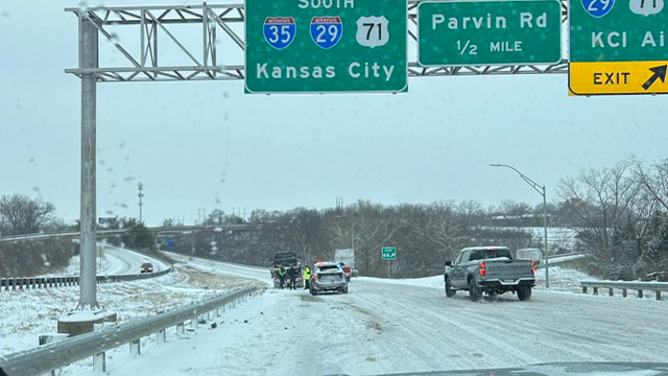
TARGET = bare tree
x,y
655,180
23,215
600,200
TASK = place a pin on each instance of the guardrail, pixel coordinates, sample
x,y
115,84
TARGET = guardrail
x,y
13,284
48,358
657,287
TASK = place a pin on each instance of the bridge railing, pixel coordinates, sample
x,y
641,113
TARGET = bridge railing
x,y
48,358
624,286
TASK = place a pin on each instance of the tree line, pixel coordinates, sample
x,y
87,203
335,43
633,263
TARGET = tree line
x,y
618,213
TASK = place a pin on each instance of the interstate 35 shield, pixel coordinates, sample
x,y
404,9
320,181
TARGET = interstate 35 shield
x,y
279,32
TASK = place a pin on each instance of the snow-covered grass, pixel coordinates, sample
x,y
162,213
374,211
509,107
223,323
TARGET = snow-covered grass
x,y
28,314
562,279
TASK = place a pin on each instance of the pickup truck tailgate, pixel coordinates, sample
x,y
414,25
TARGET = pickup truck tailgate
x,y
508,270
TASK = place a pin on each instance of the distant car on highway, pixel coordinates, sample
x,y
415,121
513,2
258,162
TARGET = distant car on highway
x,y
328,276
146,267
490,270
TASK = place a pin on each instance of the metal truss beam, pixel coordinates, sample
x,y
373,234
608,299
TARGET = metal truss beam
x,y
223,40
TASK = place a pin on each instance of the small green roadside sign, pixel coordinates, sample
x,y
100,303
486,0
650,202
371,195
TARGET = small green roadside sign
x,y
389,253
489,32
321,46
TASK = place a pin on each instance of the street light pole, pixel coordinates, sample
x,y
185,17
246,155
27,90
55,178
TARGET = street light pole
x,y
542,191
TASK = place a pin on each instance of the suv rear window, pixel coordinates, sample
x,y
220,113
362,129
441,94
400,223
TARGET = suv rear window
x,y
481,254
329,268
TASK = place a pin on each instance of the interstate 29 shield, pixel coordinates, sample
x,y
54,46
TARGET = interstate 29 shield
x,y
326,32
280,32
598,8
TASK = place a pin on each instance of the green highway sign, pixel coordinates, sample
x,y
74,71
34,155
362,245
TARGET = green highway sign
x,y
489,32
389,253
321,46
618,47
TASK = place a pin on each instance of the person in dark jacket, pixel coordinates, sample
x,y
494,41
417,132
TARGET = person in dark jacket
x,y
292,278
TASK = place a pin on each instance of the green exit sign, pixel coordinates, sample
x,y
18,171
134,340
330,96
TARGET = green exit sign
x,y
489,32
389,253
324,46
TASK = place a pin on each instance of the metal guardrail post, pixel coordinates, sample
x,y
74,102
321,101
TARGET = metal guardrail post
x,y
595,290
639,293
135,348
611,291
658,294
624,293
161,337
100,362
584,289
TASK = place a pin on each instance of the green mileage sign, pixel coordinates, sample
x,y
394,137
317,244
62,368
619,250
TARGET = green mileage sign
x,y
489,32
299,46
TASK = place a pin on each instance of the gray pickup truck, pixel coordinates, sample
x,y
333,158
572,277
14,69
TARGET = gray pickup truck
x,y
490,270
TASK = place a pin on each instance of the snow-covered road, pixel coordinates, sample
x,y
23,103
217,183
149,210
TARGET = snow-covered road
x,y
121,261
383,327
115,261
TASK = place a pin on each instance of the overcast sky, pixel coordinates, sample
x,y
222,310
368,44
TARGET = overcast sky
x,y
208,145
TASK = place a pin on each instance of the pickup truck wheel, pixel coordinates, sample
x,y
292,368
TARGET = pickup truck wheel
x,y
524,293
474,290
314,292
449,292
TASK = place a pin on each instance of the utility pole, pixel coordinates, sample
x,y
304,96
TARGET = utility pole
x,y
542,191
141,196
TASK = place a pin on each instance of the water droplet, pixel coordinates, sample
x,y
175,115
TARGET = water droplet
x,y
113,38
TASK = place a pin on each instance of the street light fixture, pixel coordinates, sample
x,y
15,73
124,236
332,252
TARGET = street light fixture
x,y
541,190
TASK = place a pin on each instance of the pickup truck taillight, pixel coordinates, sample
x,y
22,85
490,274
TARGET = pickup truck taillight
x,y
483,270
534,269
316,276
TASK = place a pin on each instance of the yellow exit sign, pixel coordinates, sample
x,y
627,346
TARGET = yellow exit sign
x,y
620,77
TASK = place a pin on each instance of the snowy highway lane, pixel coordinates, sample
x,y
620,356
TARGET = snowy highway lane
x,y
122,261
390,328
